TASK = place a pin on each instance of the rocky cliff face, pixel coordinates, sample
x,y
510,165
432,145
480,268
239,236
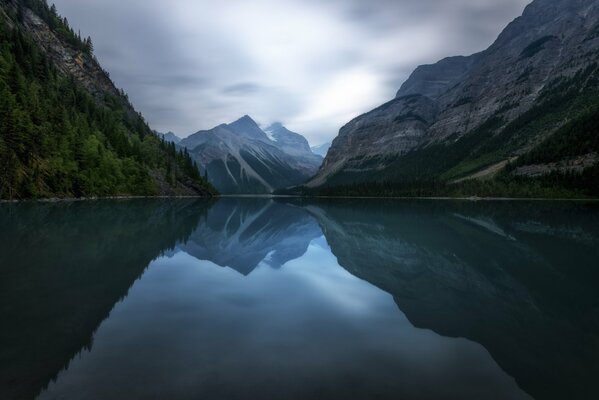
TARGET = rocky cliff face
x,y
242,158
42,51
68,59
290,142
447,101
296,146
434,80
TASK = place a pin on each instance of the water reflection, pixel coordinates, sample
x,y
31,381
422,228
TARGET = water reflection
x,y
62,269
520,278
241,233
282,299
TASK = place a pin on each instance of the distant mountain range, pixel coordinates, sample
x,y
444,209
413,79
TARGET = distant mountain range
x,y
520,118
322,150
241,158
169,137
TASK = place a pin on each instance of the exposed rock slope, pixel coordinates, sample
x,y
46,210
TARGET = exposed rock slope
x,y
66,130
242,158
479,95
296,146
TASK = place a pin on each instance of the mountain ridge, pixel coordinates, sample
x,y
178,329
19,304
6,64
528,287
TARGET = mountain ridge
x,y
462,107
169,136
241,158
65,129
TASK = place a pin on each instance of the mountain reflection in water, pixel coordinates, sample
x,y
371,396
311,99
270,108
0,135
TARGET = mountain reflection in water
x,y
262,298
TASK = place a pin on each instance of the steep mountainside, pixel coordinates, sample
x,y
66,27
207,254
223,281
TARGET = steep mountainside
x,y
65,129
483,116
295,145
242,158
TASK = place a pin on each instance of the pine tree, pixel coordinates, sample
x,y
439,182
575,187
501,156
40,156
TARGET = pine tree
x,y
20,13
89,46
57,140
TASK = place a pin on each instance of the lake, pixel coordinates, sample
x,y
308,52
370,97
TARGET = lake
x,y
255,298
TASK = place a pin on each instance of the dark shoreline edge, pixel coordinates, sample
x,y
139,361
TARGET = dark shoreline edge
x,y
80,199
266,196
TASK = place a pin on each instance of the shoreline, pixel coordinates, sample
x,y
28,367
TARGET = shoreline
x,y
472,199
267,196
81,199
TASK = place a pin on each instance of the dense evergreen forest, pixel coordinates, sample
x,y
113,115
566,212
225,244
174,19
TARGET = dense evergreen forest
x,y
568,109
551,186
57,140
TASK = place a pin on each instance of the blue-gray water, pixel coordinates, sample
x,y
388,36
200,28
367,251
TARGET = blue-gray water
x,y
290,299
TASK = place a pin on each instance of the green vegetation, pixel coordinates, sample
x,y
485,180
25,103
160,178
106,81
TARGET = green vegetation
x,y
563,124
58,25
431,162
578,137
57,140
469,167
555,185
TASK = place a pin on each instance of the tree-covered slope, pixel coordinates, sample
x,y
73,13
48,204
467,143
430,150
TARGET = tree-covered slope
x,y
518,119
549,151
65,130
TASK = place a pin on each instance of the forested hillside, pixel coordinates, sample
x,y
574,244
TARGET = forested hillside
x,y
561,164
519,119
60,139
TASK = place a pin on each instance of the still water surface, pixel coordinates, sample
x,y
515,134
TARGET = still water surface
x,y
273,299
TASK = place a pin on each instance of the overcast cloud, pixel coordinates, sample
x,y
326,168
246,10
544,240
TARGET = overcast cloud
x,y
311,64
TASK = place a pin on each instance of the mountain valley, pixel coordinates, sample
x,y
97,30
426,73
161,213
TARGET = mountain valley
x,y
241,158
478,125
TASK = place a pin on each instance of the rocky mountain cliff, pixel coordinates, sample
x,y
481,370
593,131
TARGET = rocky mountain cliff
x,y
65,129
68,58
469,117
242,158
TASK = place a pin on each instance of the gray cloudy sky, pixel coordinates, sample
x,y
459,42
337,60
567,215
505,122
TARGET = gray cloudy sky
x,y
311,64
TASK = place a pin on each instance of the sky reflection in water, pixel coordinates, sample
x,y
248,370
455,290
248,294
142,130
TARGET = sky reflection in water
x,y
256,298
190,329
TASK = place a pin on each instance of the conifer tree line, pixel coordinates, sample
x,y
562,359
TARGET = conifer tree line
x,y
57,24
57,140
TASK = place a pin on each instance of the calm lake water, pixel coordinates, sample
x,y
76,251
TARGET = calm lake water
x,y
290,299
